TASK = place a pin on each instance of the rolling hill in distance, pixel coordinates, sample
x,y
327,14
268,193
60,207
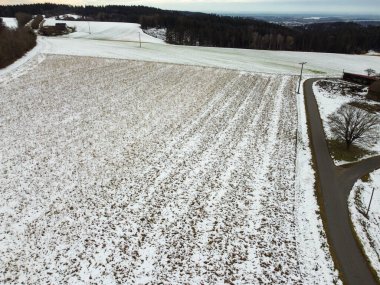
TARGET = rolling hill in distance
x,y
298,33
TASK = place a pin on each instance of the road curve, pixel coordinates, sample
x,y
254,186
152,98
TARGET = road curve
x,y
335,185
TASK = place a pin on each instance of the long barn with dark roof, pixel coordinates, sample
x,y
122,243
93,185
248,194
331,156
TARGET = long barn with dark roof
x,y
359,79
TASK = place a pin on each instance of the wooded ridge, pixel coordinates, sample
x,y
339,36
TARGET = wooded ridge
x,y
192,28
14,43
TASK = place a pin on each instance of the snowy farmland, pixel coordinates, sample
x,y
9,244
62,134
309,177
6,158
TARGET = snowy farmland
x,y
280,62
111,31
10,22
117,171
120,40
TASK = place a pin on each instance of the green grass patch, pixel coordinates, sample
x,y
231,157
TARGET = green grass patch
x,y
316,71
366,107
339,151
366,178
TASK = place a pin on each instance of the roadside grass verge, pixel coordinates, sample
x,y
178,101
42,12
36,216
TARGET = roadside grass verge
x,y
316,71
366,107
339,151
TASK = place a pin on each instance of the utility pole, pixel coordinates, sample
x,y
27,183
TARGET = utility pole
x,y
299,84
370,201
140,39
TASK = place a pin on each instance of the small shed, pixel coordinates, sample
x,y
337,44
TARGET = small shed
x,y
374,91
358,78
60,26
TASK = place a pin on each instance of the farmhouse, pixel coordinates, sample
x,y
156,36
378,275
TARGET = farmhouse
x,y
374,91
57,30
358,78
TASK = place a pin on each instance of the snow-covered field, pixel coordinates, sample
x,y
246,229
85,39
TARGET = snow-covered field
x,y
368,230
133,172
280,62
329,101
111,31
119,40
373,53
10,22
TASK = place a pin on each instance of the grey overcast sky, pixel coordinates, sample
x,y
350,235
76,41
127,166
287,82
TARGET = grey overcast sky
x,y
353,7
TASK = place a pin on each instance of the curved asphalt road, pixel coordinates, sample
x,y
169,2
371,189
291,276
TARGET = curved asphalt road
x,y
336,184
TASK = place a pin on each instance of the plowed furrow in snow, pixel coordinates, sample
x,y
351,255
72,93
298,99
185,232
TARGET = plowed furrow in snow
x,y
133,172
277,233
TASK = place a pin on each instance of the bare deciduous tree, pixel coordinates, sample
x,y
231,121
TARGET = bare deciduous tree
x,y
22,19
35,24
370,71
351,124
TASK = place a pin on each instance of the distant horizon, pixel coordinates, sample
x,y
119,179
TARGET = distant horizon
x,y
289,14
225,13
367,8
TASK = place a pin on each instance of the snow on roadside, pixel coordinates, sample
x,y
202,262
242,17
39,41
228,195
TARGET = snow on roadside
x,y
368,230
317,266
330,101
279,62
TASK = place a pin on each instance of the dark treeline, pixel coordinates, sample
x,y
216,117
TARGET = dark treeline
x,y
110,13
338,38
222,31
14,43
191,28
